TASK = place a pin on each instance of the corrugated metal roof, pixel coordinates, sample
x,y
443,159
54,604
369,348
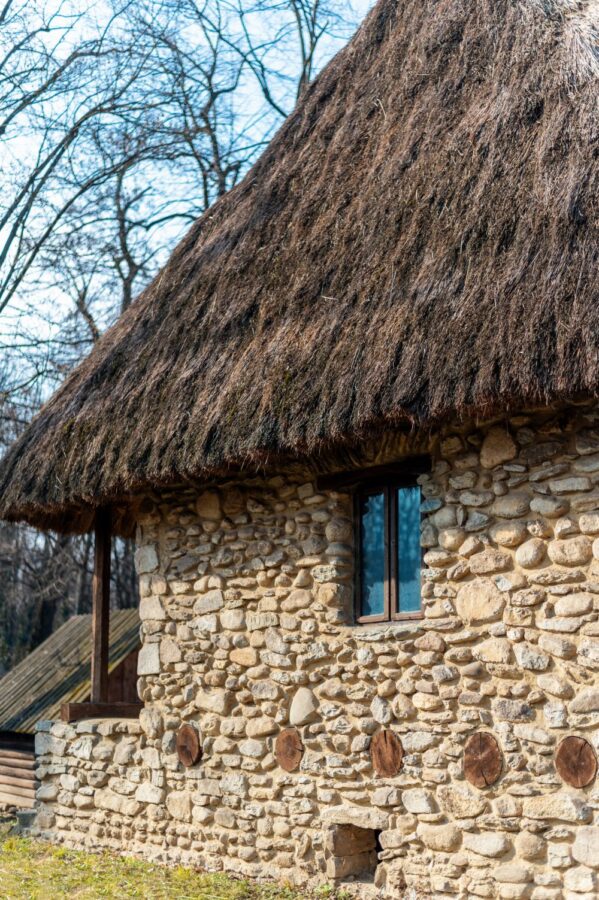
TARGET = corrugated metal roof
x,y
59,670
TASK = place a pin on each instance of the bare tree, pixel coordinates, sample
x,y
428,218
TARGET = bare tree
x,y
120,122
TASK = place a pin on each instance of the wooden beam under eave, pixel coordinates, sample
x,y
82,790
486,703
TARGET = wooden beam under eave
x,y
101,607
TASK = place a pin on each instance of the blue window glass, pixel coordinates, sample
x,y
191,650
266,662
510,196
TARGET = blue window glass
x,y
372,554
408,549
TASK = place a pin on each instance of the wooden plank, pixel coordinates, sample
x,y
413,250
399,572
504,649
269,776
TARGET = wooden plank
x,y
483,760
386,753
25,783
101,608
17,765
73,712
18,790
22,755
22,774
576,762
189,748
8,799
289,749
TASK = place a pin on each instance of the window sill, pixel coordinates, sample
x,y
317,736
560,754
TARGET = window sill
x,y
369,631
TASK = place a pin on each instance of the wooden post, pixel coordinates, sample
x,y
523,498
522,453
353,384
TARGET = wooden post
x,y
101,607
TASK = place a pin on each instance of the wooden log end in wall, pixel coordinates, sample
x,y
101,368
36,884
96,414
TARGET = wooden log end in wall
x,y
483,760
576,762
189,749
289,749
386,753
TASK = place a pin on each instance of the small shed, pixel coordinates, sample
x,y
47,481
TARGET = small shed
x,y
51,678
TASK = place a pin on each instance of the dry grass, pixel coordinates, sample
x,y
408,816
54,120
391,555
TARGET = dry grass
x,y
35,870
419,241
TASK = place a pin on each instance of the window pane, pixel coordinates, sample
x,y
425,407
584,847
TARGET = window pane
x,y
372,554
408,549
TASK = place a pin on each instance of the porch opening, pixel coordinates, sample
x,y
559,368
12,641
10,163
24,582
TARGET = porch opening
x,y
352,852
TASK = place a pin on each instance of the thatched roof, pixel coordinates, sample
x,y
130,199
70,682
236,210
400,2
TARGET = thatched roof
x,y
419,241
59,670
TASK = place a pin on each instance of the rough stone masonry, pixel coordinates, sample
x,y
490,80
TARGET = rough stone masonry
x,y
247,626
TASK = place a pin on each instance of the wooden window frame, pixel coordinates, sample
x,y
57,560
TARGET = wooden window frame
x,y
380,479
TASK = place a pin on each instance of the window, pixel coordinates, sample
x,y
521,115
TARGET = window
x,y
389,555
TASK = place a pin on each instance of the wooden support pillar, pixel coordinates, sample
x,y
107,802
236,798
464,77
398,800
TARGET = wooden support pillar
x,y
101,607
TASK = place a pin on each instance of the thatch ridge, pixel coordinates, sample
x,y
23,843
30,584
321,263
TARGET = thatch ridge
x,y
418,241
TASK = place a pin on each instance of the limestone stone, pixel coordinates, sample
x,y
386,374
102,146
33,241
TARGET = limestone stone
x,y
580,880
208,787
570,485
555,686
151,721
418,800
498,447
361,816
445,838
261,726
146,559
512,710
304,707
533,734
530,657
508,534
47,744
576,604
562,806
490,561
214,701
148,660
531,554
48,791
212,601
233,619
551,507
588,653
494,650
557,646
529,846
244,656
149,793
589,523
178,804
170,651
453,538
151,608
253,748
513,873
487,843
585,849
511,506
117,803
460,802
563,624
586,701
570,552
479,602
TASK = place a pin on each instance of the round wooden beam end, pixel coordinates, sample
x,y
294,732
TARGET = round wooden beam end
x,y
386,753
189,749
289,749
576,762
483,760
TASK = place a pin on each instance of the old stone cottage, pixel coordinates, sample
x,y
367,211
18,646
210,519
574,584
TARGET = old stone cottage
x,y
354,427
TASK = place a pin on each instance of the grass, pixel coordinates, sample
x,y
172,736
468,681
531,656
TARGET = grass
x,y
36,870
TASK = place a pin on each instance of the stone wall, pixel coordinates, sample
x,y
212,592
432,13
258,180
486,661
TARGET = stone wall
x,y
246,608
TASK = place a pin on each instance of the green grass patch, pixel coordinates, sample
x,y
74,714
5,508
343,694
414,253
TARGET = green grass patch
x,y
36,870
